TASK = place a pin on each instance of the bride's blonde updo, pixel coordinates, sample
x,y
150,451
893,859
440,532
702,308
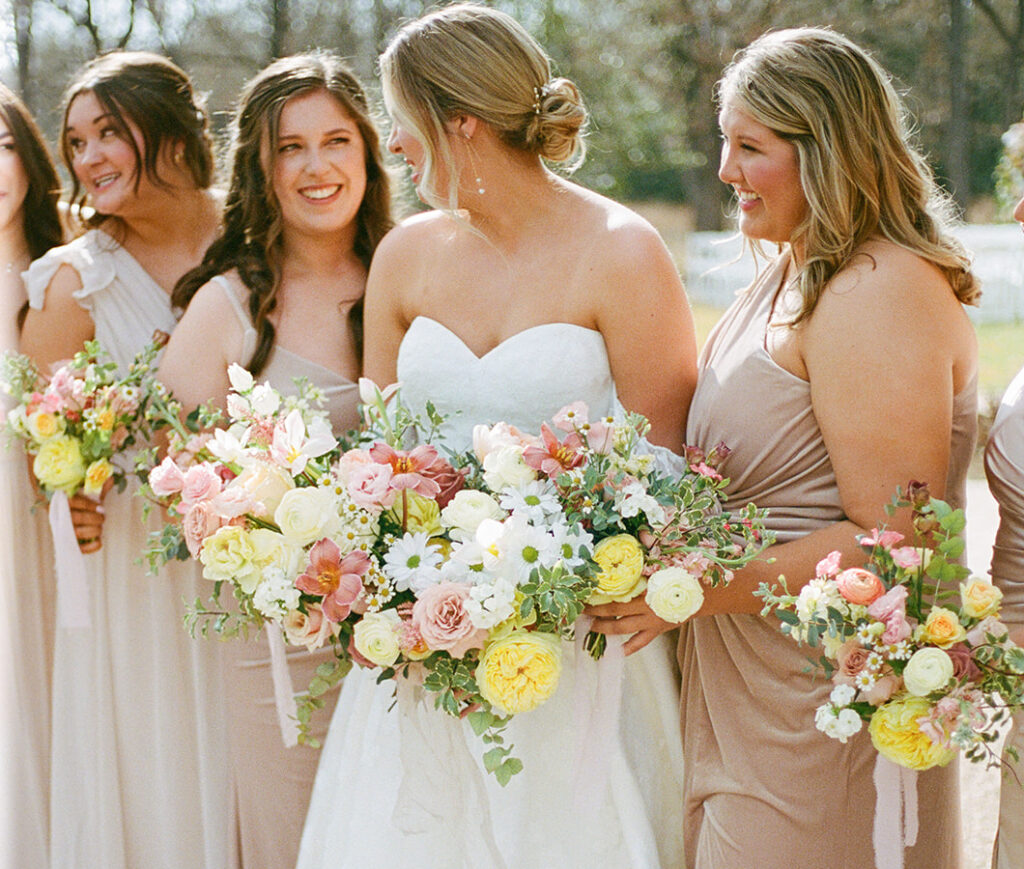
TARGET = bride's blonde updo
x,y
860,174
472,60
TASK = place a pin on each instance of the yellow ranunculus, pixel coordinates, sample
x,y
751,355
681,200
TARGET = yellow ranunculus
x,y
980,598
897,736
621,562
43,425
420,514
942,628
96,475
59,464
519,671
228,554
376,637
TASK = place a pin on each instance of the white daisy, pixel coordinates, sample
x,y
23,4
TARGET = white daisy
x,y
412,558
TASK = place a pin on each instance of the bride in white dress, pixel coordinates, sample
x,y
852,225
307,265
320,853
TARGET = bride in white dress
x,y
520,293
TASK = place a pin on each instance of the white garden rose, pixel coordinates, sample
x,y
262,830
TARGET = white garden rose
x,y
270,549
928,670
307,515
376,637
674,594
467,510
266,483
505,467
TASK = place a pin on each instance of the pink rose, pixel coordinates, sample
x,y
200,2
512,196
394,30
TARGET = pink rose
x,y
349,461
829,565
851,658
448,478
233,502
309,629
166,479
201,483
441,619
963,663
906,557
859,586
200,521
369,486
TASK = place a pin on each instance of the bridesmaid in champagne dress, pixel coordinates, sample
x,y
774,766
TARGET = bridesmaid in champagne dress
x,y
1004,467
29,226
847,369
280,292
132,736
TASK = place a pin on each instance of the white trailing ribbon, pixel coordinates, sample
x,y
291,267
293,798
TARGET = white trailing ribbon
x,y
442,800
895,812
597,700
284,694
72,582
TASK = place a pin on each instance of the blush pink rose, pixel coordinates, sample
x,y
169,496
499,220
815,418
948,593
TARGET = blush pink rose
x,y
440,617
448,478
906,557
233,502
310,629
199,522
201,483
859,586
890,609
369,485
166,479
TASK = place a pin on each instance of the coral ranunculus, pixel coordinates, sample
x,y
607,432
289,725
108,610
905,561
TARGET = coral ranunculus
x,y
859,586
897,735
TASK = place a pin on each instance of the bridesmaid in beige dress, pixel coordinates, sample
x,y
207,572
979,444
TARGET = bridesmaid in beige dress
x,y
1004,467
132,783
848,368
281,292
29,226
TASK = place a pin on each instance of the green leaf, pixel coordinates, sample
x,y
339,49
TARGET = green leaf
x,y
493,758
480,721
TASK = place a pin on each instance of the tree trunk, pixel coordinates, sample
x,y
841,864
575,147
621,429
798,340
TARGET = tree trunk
x,y
958,125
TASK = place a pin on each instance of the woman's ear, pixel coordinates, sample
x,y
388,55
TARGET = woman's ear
x,y
463,126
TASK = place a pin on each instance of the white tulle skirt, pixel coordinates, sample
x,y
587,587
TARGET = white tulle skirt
x,y
402,785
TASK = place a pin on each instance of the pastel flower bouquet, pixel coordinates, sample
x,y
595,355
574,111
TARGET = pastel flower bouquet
x,y
463,572
929,667
75,424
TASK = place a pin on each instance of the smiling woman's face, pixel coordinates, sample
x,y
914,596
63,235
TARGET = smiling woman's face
x,y
764,171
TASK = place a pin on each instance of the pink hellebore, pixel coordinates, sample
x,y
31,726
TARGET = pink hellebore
x,y
555,457
338,580
408,467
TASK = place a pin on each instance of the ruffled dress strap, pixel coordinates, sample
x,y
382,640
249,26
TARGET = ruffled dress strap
x,y
90,255
249,336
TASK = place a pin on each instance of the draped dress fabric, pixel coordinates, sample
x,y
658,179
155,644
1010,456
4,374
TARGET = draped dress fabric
x,y
271,783
1004,467
391,791
763,786
28,602
137,762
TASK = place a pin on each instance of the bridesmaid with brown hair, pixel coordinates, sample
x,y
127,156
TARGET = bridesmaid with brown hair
x,y
29,226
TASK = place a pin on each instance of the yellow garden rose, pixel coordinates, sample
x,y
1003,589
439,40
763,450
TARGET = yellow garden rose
x,y
43,425
896,735
59,464
96,475
421,514
621,562
942,628
228,554
980,598
520,671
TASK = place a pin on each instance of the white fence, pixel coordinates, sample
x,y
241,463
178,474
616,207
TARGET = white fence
x,y
716,267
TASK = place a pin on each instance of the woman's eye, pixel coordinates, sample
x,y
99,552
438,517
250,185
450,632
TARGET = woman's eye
x,y
284,149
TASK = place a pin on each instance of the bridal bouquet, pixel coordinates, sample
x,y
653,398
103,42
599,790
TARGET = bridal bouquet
x,y
463,571
931,671
76,424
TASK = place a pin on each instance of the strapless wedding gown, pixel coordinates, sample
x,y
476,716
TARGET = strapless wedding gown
x,y
404,787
